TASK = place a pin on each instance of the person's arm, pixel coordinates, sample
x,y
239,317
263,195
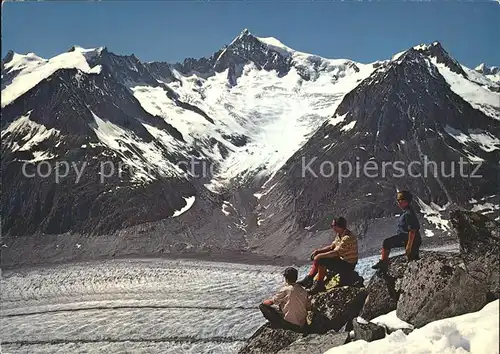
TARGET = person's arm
x,y
409,244
330,254
276,299
324,249
412,222
335,249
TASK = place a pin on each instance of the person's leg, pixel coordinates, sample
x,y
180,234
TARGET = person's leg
x,y
308,280
338,266
387,245
274,316
319,283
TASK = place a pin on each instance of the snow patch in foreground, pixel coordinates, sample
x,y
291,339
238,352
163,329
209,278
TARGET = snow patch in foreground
x,y
476,332
189,204
391,321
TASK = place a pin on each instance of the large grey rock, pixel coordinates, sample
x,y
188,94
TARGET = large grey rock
x,y
316,343
267,340
479,238
368,331
335,308
437,287
382,297
477,234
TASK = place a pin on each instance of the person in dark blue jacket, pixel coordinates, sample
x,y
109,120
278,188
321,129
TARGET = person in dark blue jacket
x,y
408,233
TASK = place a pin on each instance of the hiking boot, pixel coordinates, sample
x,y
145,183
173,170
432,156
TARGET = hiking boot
x,y
307,282
318,287
381,265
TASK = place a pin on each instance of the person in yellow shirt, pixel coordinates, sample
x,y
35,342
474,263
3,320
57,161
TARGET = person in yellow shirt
x,y
340,257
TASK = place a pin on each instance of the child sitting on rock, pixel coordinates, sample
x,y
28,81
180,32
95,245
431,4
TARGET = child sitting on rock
x,y
292,301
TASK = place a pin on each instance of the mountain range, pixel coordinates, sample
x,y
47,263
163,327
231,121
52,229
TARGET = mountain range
x,y
105,155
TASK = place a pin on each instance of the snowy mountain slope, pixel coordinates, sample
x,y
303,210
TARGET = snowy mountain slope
x,y
481,91
244,116
28,70
264,107
492,73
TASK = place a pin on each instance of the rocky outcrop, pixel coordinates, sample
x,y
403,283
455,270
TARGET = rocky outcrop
x,y
267,340
368,331
439,287
335,308
479,238
316,343
381,290
451,285
478,235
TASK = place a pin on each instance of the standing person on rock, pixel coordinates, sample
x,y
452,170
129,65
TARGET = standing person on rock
x,y
408,233
293,303
340,257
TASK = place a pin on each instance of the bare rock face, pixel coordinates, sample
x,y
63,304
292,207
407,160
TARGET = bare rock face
x,y
335,308
267,340
477,234
316,343
438,287
368,331
479,238
382,297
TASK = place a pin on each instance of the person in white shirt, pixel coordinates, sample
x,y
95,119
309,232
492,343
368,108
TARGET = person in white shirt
x,y
292,301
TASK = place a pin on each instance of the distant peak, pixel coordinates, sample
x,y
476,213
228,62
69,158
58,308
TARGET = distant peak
x,y
244,35
8,57
437,51
480,67
77,48
487,70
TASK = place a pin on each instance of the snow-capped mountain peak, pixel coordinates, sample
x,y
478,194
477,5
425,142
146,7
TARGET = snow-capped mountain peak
x,y
23,72
491,72
436,50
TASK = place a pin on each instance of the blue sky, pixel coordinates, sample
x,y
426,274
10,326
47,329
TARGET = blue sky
x,y
171,31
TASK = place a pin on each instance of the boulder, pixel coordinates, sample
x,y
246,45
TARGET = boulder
x,y
367,331
335,308
479,239
316,343
437,287
267,340
477,234
382,297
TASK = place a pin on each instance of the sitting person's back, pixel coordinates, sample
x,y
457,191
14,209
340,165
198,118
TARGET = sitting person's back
x,y
293,302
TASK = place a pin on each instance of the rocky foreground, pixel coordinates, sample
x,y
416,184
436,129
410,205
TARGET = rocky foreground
x,y
437,286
